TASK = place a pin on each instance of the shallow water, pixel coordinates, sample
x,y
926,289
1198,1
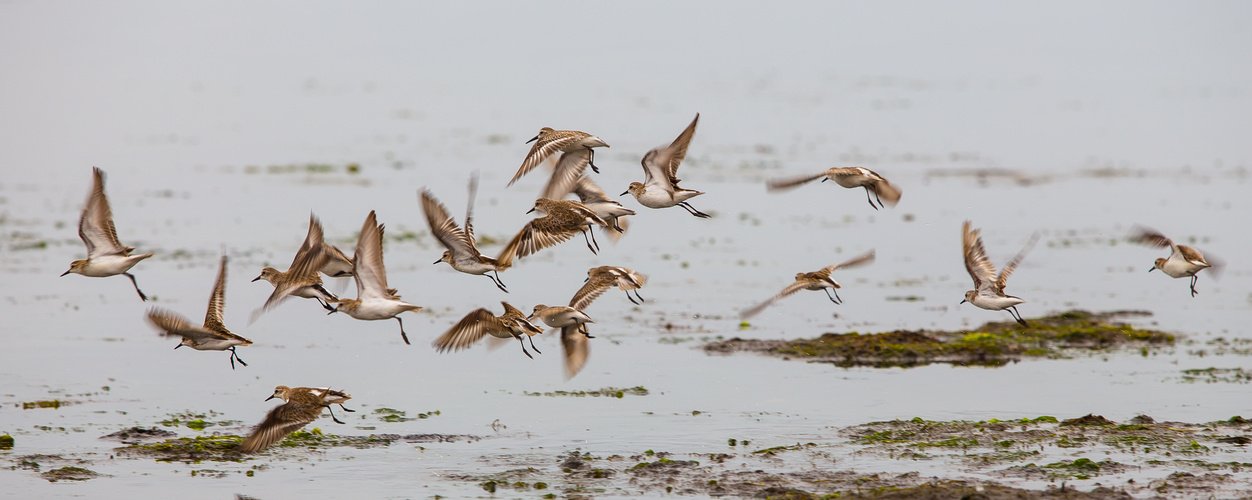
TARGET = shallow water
x,y
1132,113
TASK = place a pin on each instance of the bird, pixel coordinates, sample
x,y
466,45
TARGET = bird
x,y
1183,261
816,280
602,278
301,278
988,292
660,168
106,256
849,177
574,334
338,265
462,251
480,322
562,219
374,300
549,141
213,336
566,180
301,406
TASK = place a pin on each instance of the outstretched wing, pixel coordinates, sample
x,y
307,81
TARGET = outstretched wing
x,y
173,323
592,289
569,169
1008,268
537,235
217,301
95,226
976,261
444,228
790,182
792,288
1150,237
860,260
576,348
466,332
281,421
542,149
368,268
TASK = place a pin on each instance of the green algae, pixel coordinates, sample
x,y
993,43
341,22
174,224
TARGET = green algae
x,y
69,473
611,392
993,344
6,442
54,404
394,415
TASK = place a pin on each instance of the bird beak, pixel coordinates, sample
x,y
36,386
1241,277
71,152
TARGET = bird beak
x,y
624,193
531,210
1149,270
65,273
587,279
962,302
269,398
824,179
438,261
256,278
532,139
177,346
333,311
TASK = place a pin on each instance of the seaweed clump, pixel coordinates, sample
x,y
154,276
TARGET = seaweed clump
x,y
992,344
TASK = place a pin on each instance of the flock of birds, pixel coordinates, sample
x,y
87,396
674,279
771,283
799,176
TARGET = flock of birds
x,y
562,219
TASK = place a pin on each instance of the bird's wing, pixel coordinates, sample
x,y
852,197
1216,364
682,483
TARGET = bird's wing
x,y
976,261
466,332
472,190
444,228
589,192
540,151
569,169
673,155
592,290
792,288
281,421
538,234
95,227
1150,237
1003,277
217,301
860,260
175,324
576,350
790,182
368,268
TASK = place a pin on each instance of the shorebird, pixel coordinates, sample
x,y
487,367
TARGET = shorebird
x,y
549,141
301,406
849,177
816,280
660,168
213,336
462,251
988,292
568,177
563,219
1183,261
374,300
301,278
480,322
574,335
106,256
602,278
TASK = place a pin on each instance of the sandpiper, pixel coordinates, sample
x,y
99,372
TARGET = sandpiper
x,y
462,251
106,256
301,278
849,177
563,219
988,292
480,322
590,194
602,278
1183,261
549,141
574,335
660,168
301,406
374,300
816,280
213,336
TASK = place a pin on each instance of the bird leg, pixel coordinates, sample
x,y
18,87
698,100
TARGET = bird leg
x,y
834,299
325,305
332,415
876,197
617,227
233,356
136,283
1017,315
632,299
693,210
496,279
636,295
1194,278
871,200
344,408
523,343
583,330
403,335
591,159
585,237
532,343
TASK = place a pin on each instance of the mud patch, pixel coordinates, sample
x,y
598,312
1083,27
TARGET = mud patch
x,y
993,344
